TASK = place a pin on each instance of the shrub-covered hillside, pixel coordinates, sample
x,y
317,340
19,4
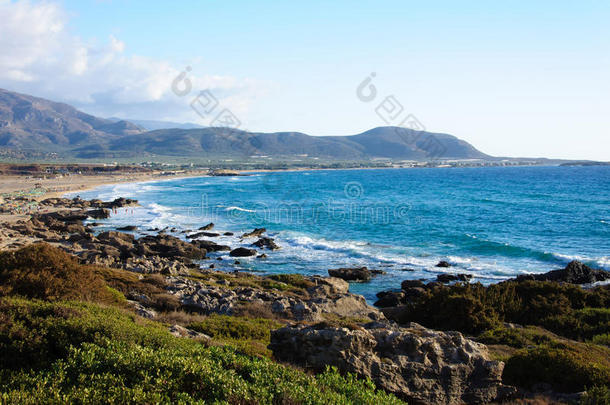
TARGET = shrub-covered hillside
x,y
73,340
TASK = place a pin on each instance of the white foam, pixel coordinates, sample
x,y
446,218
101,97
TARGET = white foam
x,y
234,208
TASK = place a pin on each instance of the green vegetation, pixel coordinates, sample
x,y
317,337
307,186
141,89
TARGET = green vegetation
x,y
73,340
84,353
247,335
565,344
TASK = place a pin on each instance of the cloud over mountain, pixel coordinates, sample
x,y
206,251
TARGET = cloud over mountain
x,y
40,55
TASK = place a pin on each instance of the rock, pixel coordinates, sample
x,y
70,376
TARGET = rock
x,y
411,283
447,278
228,234
101,213
242,252
417,364
261,256
574,273
180,331
255,233
268,243
129,228
207,227
443,263
389,299
210,246
351,273
328,286
144,312
200,234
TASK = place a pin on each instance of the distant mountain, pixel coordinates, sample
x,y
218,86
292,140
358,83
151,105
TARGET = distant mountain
x,y
35,124
152,125
28,122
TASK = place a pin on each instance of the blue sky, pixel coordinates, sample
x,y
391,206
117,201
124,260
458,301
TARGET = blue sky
x,y
514,78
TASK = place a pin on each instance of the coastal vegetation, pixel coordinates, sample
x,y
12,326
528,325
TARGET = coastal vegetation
x,y
62,342
563,343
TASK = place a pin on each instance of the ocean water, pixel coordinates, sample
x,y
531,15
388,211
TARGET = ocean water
x,y
493,223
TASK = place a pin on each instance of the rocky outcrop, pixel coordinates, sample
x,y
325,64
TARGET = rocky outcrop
x,y
417,364
443,263
326,296
574,273
351,273
242,252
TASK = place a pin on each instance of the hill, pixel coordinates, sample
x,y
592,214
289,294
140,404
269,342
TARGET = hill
x,y
35,124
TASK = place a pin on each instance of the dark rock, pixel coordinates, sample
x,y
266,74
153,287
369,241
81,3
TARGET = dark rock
x,y
228,234
411,283
242,252
377,272
443,263
255,233
211,246
207,227
200,234
574,273
389,299
261,256
129,228
219,258
265,242
447,278
351,273
236,262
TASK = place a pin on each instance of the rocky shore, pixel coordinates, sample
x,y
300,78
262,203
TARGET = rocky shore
x,y
167,277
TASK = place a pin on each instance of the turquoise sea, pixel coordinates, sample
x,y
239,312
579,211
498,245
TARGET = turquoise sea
x,y
493,223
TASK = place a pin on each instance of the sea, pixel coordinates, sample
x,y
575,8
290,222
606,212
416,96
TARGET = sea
x,y
491,222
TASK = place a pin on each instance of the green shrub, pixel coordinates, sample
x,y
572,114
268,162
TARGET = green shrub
x,y
295,280
603,339
567,368
46,272
83,353
248,335
598,395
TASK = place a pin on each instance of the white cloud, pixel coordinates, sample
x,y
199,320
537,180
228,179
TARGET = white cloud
x,y
39,56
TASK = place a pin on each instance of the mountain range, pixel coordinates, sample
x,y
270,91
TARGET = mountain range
x,y
36,124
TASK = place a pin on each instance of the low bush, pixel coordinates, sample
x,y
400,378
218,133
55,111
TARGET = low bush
x,y
46,272
248,335
57,352
567,368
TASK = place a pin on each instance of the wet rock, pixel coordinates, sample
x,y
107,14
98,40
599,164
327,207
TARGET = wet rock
x,y
447,278
207,227
242,252
265,242
443,263
574,273
255,233
211,246
129,228
351,273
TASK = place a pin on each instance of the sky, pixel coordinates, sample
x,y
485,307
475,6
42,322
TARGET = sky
x,y
513,78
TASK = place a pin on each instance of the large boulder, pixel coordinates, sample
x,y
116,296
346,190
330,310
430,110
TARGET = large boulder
x,y
575,273
419,365
351,273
